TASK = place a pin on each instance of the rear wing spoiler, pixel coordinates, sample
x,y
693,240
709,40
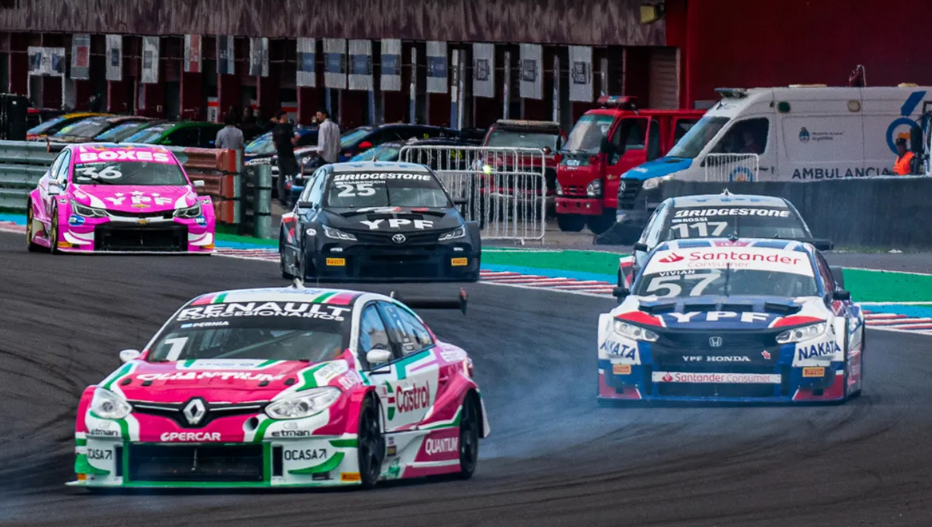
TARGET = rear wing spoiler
x,y
423,302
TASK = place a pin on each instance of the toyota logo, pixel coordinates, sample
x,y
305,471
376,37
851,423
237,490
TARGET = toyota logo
x,y
194,411
715,342
399,238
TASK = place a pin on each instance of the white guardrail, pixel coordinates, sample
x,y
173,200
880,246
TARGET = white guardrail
x,y
505,188
731,167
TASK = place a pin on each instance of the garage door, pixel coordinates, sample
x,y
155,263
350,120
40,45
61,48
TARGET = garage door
x,y
664,78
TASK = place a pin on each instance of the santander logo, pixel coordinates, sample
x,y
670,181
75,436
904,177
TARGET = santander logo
x,y
672,258
667,377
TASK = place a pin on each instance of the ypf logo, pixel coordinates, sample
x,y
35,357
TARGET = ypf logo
x,y
672,258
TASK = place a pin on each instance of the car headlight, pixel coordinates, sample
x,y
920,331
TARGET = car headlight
x,y
559,189
655,182
108,405
458,232
594,189
803,333
190,212
335,234
304,405
87,212
635,332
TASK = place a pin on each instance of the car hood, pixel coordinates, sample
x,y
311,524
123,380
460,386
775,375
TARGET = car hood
x,y
721,312
222,380
135,199
391,220
658,168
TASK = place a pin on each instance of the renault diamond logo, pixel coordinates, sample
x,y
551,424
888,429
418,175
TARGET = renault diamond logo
x,y
194,411
399,238
715,342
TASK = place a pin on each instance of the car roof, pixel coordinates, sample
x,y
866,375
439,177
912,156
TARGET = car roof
x,y
714,200
117,146
344,297
339,168
739,244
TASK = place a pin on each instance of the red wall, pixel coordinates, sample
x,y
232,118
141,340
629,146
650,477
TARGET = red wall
x,y
737,43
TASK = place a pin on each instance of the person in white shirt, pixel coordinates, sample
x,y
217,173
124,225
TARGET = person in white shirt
x,y
328,138
229,136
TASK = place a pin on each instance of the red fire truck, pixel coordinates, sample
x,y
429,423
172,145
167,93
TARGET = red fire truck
x,y
604,144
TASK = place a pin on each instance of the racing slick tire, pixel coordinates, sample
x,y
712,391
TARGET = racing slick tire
x,y
281,258
469,436
53,233
370,443
571,222
30,234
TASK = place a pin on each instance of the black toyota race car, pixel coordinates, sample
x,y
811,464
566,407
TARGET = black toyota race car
x,y
378,222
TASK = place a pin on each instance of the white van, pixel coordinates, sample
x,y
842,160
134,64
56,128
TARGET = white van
x,y
799,133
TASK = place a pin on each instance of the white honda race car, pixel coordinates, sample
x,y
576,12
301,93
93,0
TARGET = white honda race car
x,y
740,320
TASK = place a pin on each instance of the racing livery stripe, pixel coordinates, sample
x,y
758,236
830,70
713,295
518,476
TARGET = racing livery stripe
x,y
260,431
81,466
124,370
326,466
344,443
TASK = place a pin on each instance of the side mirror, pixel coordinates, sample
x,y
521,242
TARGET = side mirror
x,y
460,201
54,189
377,357
365,145
605,147
641,247
620,293
199,183
128,355
547,151
841,294
305,204
823,245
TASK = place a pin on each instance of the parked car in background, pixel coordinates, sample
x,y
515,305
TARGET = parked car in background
x,y
125,130
37,116
191,134
55,124
365,137
86,130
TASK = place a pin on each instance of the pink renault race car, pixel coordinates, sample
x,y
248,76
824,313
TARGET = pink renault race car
x,y
118,198
284,387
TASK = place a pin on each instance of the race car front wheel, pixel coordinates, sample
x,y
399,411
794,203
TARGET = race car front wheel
x,y
31,246
53,233
469,436
370,443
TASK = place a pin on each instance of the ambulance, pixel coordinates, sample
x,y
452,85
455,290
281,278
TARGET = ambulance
x,y
797,133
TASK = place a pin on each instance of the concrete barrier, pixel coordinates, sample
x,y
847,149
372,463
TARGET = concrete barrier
x,y
869,213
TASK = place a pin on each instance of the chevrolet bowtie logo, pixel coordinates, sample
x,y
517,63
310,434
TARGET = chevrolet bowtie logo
x,y
194,411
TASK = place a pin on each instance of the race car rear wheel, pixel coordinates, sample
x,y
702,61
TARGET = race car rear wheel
x,y
370,443
469,436
31,246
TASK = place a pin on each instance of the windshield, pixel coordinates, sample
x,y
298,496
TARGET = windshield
x,y
148,135
134,173
353,136
261,145
121,132
697,137
47,125
86,128
298,331
517,139
384,152
726,282
588,133
383,189
745,222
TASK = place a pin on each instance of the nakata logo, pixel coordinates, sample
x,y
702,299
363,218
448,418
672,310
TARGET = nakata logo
x,y
416,398
441,446
190,436
672,258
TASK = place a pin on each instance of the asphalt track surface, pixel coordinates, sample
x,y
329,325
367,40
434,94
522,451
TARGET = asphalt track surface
x,y
554,457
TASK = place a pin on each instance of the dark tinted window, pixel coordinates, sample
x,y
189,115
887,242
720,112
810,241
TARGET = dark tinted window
x,y
746,220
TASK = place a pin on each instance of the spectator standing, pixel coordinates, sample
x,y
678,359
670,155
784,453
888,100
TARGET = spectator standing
x,y
230,136
903,166
283,135
248,123
328,138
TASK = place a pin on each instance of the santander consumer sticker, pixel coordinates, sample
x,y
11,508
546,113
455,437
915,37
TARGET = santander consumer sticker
x,y
715,378
751,258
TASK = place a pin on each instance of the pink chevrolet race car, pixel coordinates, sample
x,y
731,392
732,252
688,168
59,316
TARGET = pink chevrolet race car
x,y
118,198
284,387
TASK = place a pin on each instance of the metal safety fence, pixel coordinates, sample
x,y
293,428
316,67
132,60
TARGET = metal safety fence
x,y
726,168
504,189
